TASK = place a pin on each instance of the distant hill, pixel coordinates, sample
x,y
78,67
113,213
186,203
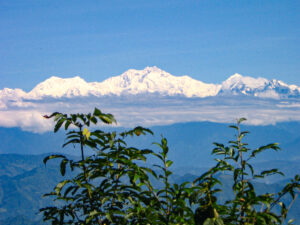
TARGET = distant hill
x,y
21,190
24,179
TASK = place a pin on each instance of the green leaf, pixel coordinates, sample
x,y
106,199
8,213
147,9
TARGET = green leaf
x,y
53,114
291,221
108,216
60,185
93,120
93,213
97,112
73,141
67,124
208,221
59,124
233,126
53,157
136,176
219,221
169,163
108,119
63,166
271,172
240,120
141,130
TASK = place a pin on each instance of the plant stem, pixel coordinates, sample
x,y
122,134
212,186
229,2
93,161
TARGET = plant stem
x,y
166,189
85,174
243,169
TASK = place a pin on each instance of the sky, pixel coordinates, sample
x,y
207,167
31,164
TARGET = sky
x,y
207,40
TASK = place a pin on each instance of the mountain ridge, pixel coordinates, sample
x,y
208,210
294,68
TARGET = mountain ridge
x,y
153,80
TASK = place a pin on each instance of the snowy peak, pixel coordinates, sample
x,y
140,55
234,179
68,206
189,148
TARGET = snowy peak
x,y
239,81
235,76
155,80
142,76
259,87
150,69
12,93
239,84
60,87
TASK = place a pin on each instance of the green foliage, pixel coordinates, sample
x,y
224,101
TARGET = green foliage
x,y
115,186
247,207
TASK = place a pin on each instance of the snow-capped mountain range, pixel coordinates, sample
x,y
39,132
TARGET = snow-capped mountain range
x,y
153,80
152,97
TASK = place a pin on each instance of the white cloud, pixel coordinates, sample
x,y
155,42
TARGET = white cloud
x,y
27,120
147,111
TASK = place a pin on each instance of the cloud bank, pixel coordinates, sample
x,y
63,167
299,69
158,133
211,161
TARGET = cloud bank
x,y
151,110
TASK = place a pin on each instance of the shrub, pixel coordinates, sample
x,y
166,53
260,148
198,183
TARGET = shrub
x,y
114,185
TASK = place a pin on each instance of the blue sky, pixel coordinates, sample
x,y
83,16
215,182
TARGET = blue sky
x,y
208,40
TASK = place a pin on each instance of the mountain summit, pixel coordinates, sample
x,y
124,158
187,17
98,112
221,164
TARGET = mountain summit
x,y
152,80
258,87
155,80
58,87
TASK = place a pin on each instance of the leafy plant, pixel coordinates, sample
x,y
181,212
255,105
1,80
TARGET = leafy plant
x,y
247,206
114,185
107,182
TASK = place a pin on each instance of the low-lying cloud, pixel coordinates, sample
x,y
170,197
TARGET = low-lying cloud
x,y
149,111
26,119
